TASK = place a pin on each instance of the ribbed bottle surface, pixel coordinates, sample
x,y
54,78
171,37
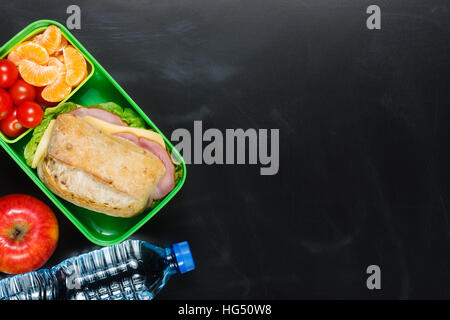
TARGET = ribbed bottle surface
x,y
132,269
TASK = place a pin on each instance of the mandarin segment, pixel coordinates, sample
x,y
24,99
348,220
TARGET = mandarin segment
x,y
62,45
36,74
76,68
37,38
50,39
14,57
57,90
61,58
32,51
52,61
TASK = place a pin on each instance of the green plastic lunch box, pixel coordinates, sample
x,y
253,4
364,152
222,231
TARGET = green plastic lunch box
x,y
98,87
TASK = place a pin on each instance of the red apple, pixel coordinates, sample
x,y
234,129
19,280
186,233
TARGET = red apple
x,y
28,233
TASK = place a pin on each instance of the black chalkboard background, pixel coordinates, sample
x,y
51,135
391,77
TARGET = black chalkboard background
x,y
364,139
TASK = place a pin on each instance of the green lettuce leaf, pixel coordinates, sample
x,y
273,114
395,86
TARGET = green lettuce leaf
x,y
133,119
128,115
178,173
49,115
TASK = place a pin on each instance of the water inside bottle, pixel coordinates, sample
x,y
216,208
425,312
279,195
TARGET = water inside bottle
x,y
131,270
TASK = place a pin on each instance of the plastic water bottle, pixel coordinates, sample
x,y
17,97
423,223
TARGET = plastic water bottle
x,y
131,270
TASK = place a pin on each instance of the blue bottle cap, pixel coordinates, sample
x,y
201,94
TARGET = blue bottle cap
x,y
183,256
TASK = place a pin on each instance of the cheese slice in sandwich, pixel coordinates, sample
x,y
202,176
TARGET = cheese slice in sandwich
x,y
43,144
114,129
93,169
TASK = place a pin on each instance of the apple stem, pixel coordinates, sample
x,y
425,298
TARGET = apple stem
x,y
18,232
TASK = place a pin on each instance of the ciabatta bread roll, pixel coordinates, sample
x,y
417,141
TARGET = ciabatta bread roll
x,y
98,171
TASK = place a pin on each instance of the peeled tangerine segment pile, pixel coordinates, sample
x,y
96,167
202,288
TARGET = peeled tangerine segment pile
x,y
50,39
49,61
36,74
76,68
30,51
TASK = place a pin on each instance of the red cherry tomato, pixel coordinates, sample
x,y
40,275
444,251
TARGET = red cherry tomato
x,y
6,104
21,91
41,100
29,114
8,73
11,126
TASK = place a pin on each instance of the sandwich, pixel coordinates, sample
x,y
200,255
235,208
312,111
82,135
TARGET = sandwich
x,y
102,158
